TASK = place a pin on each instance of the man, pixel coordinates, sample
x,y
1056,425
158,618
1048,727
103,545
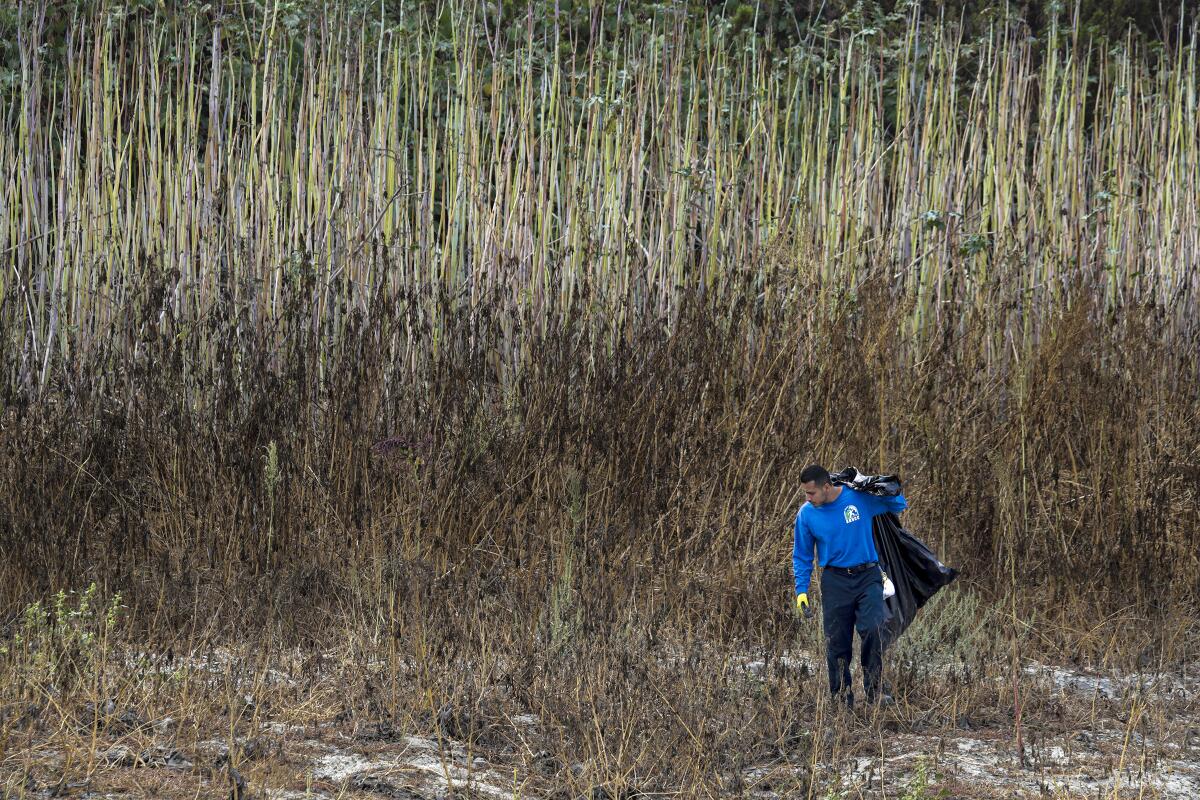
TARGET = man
x,y
837,520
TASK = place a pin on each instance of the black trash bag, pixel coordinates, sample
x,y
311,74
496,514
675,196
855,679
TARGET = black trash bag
x,y
882,485
915,571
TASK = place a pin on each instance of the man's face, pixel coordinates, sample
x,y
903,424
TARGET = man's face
x,y
817,494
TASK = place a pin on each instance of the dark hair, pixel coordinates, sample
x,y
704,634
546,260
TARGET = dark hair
x,y
815,473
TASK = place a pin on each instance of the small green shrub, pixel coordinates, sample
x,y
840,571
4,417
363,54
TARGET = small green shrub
x,y
61,646
921,787
955,627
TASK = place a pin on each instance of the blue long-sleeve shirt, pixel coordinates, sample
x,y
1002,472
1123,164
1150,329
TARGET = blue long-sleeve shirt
x,y
841,531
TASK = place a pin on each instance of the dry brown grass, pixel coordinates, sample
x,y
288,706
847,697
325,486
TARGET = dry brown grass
x,y
606,553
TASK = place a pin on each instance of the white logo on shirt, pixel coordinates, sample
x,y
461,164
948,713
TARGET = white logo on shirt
x,y
851,514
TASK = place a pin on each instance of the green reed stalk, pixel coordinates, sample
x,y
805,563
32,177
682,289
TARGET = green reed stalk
x,y
363,166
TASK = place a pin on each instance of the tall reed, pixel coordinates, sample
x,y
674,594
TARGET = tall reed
x,y
993,181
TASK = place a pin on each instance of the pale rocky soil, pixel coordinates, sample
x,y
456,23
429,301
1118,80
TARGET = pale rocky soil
x,y
879,755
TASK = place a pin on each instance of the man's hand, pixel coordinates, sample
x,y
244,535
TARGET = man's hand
x,y
802,607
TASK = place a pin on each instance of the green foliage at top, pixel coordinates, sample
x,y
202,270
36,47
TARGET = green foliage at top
x,y
566,28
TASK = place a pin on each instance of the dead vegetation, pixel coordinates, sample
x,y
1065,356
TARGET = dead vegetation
x,y
606,559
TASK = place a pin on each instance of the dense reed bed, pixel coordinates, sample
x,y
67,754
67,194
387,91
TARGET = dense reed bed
x,y
370,167
489,359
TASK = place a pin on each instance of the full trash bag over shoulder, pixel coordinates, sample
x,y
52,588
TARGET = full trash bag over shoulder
x,y
882,485
914,569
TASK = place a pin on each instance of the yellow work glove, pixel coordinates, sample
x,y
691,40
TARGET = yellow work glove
x,y
802,605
